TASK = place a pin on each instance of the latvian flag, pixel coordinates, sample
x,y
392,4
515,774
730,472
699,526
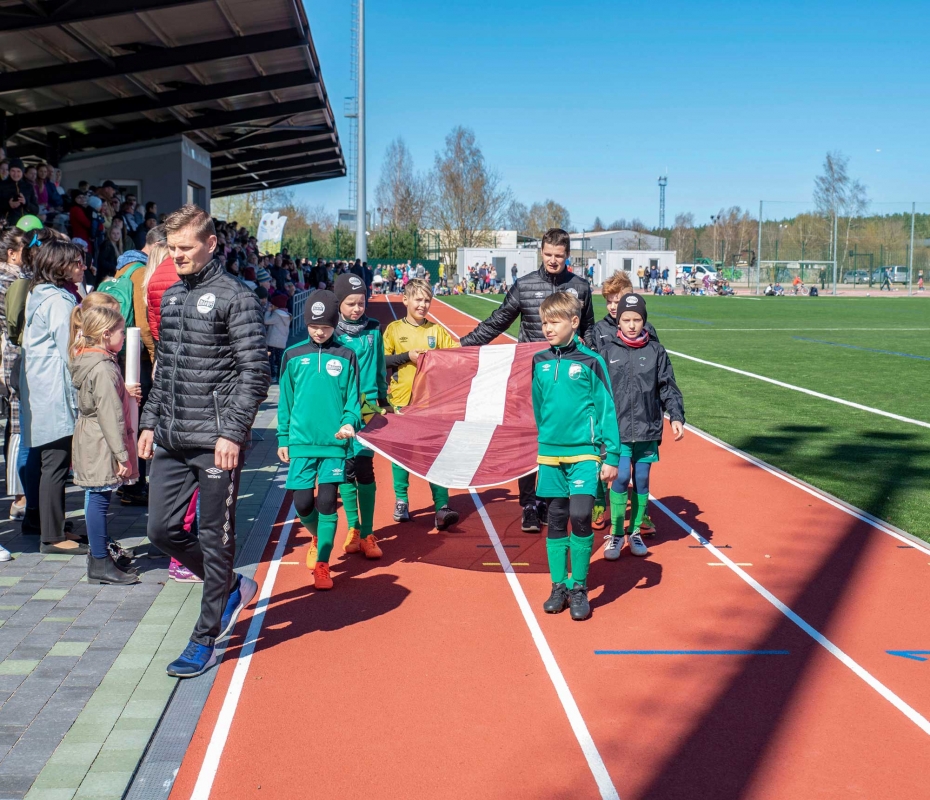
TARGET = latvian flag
x,y
470,419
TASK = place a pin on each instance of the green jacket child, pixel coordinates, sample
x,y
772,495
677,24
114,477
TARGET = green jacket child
x,y
574,410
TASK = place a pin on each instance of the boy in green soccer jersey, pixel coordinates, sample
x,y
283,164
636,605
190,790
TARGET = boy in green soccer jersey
x,y
362,335
575,415
318,414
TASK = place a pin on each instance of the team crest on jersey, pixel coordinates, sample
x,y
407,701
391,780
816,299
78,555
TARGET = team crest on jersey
x,y
572,291
334,367
371,340
206,302
431,341
574,372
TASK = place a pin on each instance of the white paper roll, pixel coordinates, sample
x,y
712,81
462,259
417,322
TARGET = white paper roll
x,y
133,355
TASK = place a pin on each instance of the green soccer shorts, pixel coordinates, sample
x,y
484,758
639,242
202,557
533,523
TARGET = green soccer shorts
x,y
306,473
568,479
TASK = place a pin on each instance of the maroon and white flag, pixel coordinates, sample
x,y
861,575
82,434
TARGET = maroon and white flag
x,y
470,420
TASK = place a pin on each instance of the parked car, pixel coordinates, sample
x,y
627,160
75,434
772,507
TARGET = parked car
x,y
897,274
856,276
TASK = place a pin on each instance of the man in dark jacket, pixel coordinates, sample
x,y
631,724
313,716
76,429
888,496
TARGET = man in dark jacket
x,y
17,196
523,300
211,376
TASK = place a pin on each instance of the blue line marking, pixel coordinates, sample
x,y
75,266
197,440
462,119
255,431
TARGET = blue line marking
x,y
913,655
692,652
864,349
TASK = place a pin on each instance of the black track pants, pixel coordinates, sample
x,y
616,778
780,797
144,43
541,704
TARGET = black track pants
x,y
174,476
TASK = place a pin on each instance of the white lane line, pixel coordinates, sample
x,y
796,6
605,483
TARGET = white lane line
x,y
801,389
211,760
913,715
591,754
846,508
858,513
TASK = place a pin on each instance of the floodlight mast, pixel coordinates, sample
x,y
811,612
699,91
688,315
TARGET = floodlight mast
x,y
663,182
361,218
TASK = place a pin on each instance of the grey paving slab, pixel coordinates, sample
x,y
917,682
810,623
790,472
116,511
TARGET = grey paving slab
x,y
60,638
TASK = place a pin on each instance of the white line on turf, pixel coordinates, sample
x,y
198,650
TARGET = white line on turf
x,y
913,715
802,390
846,508
591,754
211,761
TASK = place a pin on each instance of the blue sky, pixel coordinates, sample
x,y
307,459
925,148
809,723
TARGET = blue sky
x,y
587,103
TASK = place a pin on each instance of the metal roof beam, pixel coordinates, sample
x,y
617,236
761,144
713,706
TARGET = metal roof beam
x,y
43,14
273,173
265,168
254,156
144,131
272,136
160,100
151,58
274,184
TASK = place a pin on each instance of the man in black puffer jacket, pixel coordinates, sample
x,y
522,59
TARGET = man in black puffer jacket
x,y
211,376
523,300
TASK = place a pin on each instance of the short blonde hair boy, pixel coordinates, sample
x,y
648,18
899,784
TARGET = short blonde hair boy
x,y
560,305
418,286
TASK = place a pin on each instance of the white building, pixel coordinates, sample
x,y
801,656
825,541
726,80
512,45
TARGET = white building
x,y
610,261
616,240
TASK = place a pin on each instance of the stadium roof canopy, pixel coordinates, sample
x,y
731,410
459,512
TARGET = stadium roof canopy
x,y
240,78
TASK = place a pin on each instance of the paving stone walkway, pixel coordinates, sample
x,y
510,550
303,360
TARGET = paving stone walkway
x,y
82,667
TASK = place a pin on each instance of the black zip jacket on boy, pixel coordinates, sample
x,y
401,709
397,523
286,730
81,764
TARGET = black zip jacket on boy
x,y
644,387
606,329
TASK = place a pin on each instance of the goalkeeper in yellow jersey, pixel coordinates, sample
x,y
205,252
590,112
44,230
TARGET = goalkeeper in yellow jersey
x,y
404,342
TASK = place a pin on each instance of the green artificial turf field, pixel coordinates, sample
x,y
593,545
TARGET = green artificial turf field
x,y
870,351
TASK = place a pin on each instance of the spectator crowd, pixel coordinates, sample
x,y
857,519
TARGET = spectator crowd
x,y
64,252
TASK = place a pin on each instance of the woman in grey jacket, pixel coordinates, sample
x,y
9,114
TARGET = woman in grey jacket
x,y
48,404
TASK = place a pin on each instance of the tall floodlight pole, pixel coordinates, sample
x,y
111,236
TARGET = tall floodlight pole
x,y
361,218
663,182
910,255
759,253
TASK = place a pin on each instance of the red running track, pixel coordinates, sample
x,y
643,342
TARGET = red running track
x,y
418,675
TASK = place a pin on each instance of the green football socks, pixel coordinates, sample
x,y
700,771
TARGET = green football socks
x,y
638,505
402,486
440,495
310,521
557,550
326,535
617,512
581,547
401,482
366,505
349,494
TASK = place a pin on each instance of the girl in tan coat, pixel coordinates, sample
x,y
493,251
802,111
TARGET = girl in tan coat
x,y
104,449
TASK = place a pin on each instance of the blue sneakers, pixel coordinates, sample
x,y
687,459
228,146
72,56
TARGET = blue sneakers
x,y
239,598
195,660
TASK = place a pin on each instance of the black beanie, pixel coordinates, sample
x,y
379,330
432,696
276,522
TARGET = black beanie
x,y
632,302
322,308
347,284
17,163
